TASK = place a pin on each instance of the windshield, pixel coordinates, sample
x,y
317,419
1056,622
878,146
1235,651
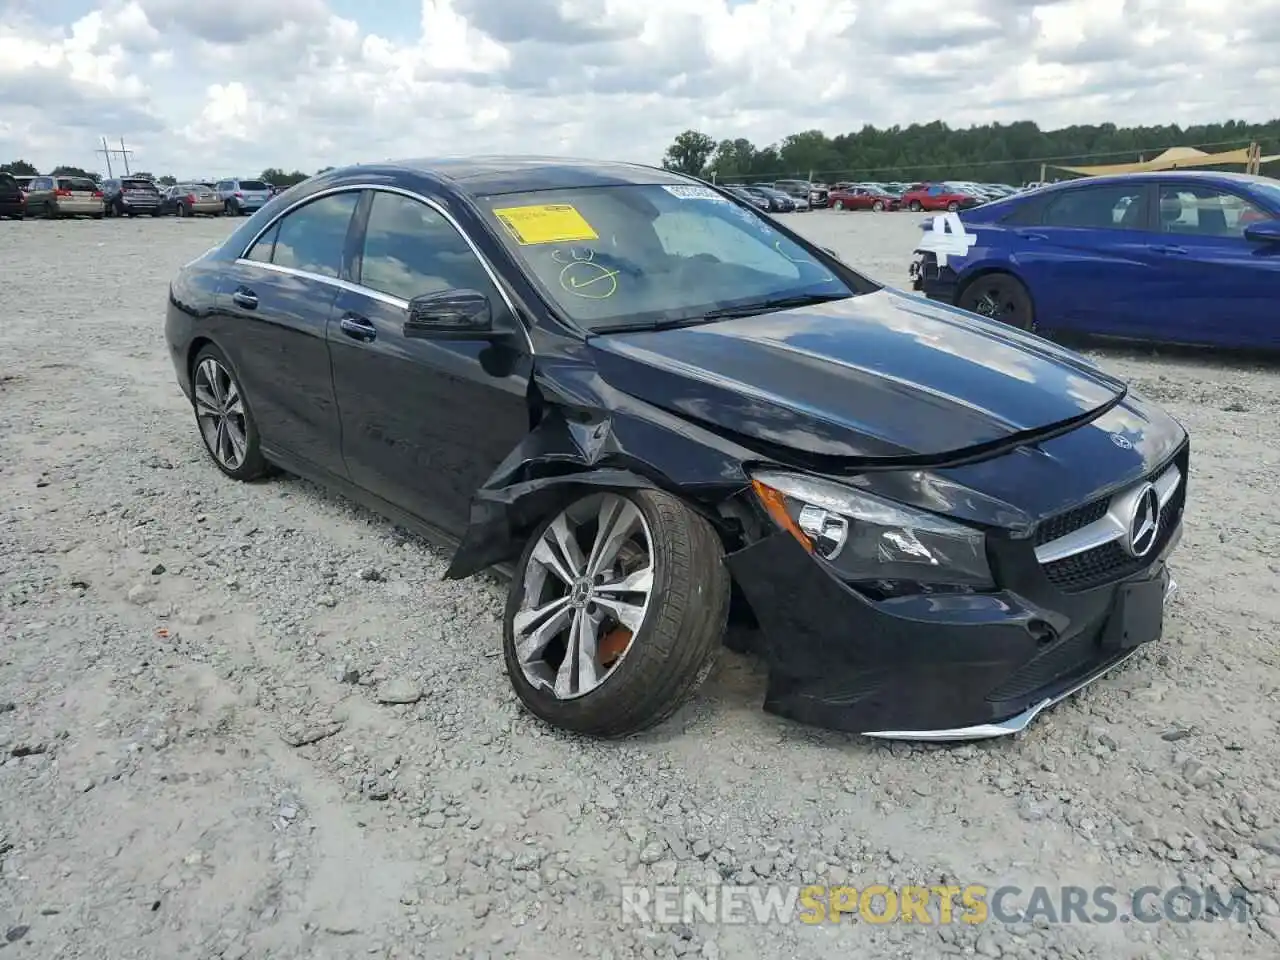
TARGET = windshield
x,y
1269,190
637,254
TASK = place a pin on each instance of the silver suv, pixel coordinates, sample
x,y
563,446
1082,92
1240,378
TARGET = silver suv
x,y
242,197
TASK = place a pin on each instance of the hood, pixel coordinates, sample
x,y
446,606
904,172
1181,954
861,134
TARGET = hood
x,y
884,375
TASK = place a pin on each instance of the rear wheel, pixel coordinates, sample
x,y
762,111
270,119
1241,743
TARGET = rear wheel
x,y
952,207
615,613
999,296
839,205
50,210
914,206
224,417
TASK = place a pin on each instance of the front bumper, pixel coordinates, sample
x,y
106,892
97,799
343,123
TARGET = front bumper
x,y
936,283
937,666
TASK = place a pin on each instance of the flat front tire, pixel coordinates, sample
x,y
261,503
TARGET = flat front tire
x,y
224,417
615,613
999,296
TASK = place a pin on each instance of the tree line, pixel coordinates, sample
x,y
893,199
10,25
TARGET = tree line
x,y
994,152
273,175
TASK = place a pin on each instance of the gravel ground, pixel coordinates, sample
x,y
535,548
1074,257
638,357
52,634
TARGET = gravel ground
x,y
197,759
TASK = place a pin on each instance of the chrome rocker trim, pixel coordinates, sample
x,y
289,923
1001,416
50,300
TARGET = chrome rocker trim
x,y
1015,724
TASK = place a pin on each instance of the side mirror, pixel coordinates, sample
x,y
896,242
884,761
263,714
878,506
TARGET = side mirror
x,y
1263,231
451,315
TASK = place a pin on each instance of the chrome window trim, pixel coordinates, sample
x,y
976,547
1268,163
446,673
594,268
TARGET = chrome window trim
x,y
1111,526
386,298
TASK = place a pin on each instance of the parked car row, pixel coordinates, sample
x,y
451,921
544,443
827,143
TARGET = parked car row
x,y
51,197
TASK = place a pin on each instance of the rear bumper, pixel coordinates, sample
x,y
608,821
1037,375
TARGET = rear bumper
x,y
90,207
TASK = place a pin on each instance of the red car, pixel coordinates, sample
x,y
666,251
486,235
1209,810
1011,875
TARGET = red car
x,y
937,196
855,197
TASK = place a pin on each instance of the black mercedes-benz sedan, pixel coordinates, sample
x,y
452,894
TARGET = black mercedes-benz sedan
x,y
658,411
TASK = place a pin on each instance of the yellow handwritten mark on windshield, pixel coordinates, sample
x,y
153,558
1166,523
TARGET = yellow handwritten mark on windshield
x,y
545,223
590,280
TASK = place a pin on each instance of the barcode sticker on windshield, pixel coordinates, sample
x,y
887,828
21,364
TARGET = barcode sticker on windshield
x,y
695,193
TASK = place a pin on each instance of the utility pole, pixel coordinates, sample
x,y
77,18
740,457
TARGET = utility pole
x,y
106,152
122,152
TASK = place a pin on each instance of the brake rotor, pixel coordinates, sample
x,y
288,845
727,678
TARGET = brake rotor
x,y
615,642
613,645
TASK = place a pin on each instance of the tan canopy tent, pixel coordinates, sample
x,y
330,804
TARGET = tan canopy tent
x,y
1178,158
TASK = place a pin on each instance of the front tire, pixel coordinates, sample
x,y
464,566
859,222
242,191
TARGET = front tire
x,y
999,296
839,204
915,206
224,417
615,613
878,206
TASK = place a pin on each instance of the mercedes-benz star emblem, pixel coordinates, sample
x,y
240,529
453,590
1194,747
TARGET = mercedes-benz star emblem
x,y
1144,525
1121,441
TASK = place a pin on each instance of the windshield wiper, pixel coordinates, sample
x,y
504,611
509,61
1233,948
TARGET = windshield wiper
x,y
724,313
770,306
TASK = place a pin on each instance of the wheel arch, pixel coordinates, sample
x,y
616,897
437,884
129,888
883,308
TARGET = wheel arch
x,y
978,271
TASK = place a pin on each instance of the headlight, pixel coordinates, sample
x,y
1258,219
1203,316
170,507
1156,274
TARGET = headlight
x,y
888,548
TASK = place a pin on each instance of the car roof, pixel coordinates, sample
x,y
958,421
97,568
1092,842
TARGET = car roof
x,y
488,175
1205,176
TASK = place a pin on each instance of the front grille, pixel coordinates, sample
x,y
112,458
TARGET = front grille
x,y
1093,568
1108,562
1071,521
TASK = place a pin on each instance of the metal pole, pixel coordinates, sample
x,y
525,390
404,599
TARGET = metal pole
x,y
125,154
107,153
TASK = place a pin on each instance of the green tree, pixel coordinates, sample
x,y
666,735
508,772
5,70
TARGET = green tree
x,y
1006,153
689,153
19,168
323,170
65,170
277,176
167,180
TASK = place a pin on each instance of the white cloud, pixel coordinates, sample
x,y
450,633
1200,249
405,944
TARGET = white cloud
x,y
238,85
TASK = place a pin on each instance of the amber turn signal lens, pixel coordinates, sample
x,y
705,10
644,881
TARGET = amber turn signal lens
x,y
775,504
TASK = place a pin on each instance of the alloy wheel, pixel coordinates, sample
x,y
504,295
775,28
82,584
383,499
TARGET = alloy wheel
x,y
220,413
587,587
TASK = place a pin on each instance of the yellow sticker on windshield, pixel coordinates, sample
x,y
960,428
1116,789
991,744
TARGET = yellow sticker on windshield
x,y
546,223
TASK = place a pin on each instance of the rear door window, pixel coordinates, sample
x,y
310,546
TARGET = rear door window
x,y
313,238
1105,207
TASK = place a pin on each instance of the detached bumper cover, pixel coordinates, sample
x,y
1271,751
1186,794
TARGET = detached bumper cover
x,y
939,666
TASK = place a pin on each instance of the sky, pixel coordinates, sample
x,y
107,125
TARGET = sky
x,y
228,87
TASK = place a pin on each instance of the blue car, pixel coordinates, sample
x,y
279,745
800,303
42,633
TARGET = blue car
x,y
1178,257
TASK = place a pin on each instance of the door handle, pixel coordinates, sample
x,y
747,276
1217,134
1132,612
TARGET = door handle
x,y
245,298
1033,236
358,328
1169,250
